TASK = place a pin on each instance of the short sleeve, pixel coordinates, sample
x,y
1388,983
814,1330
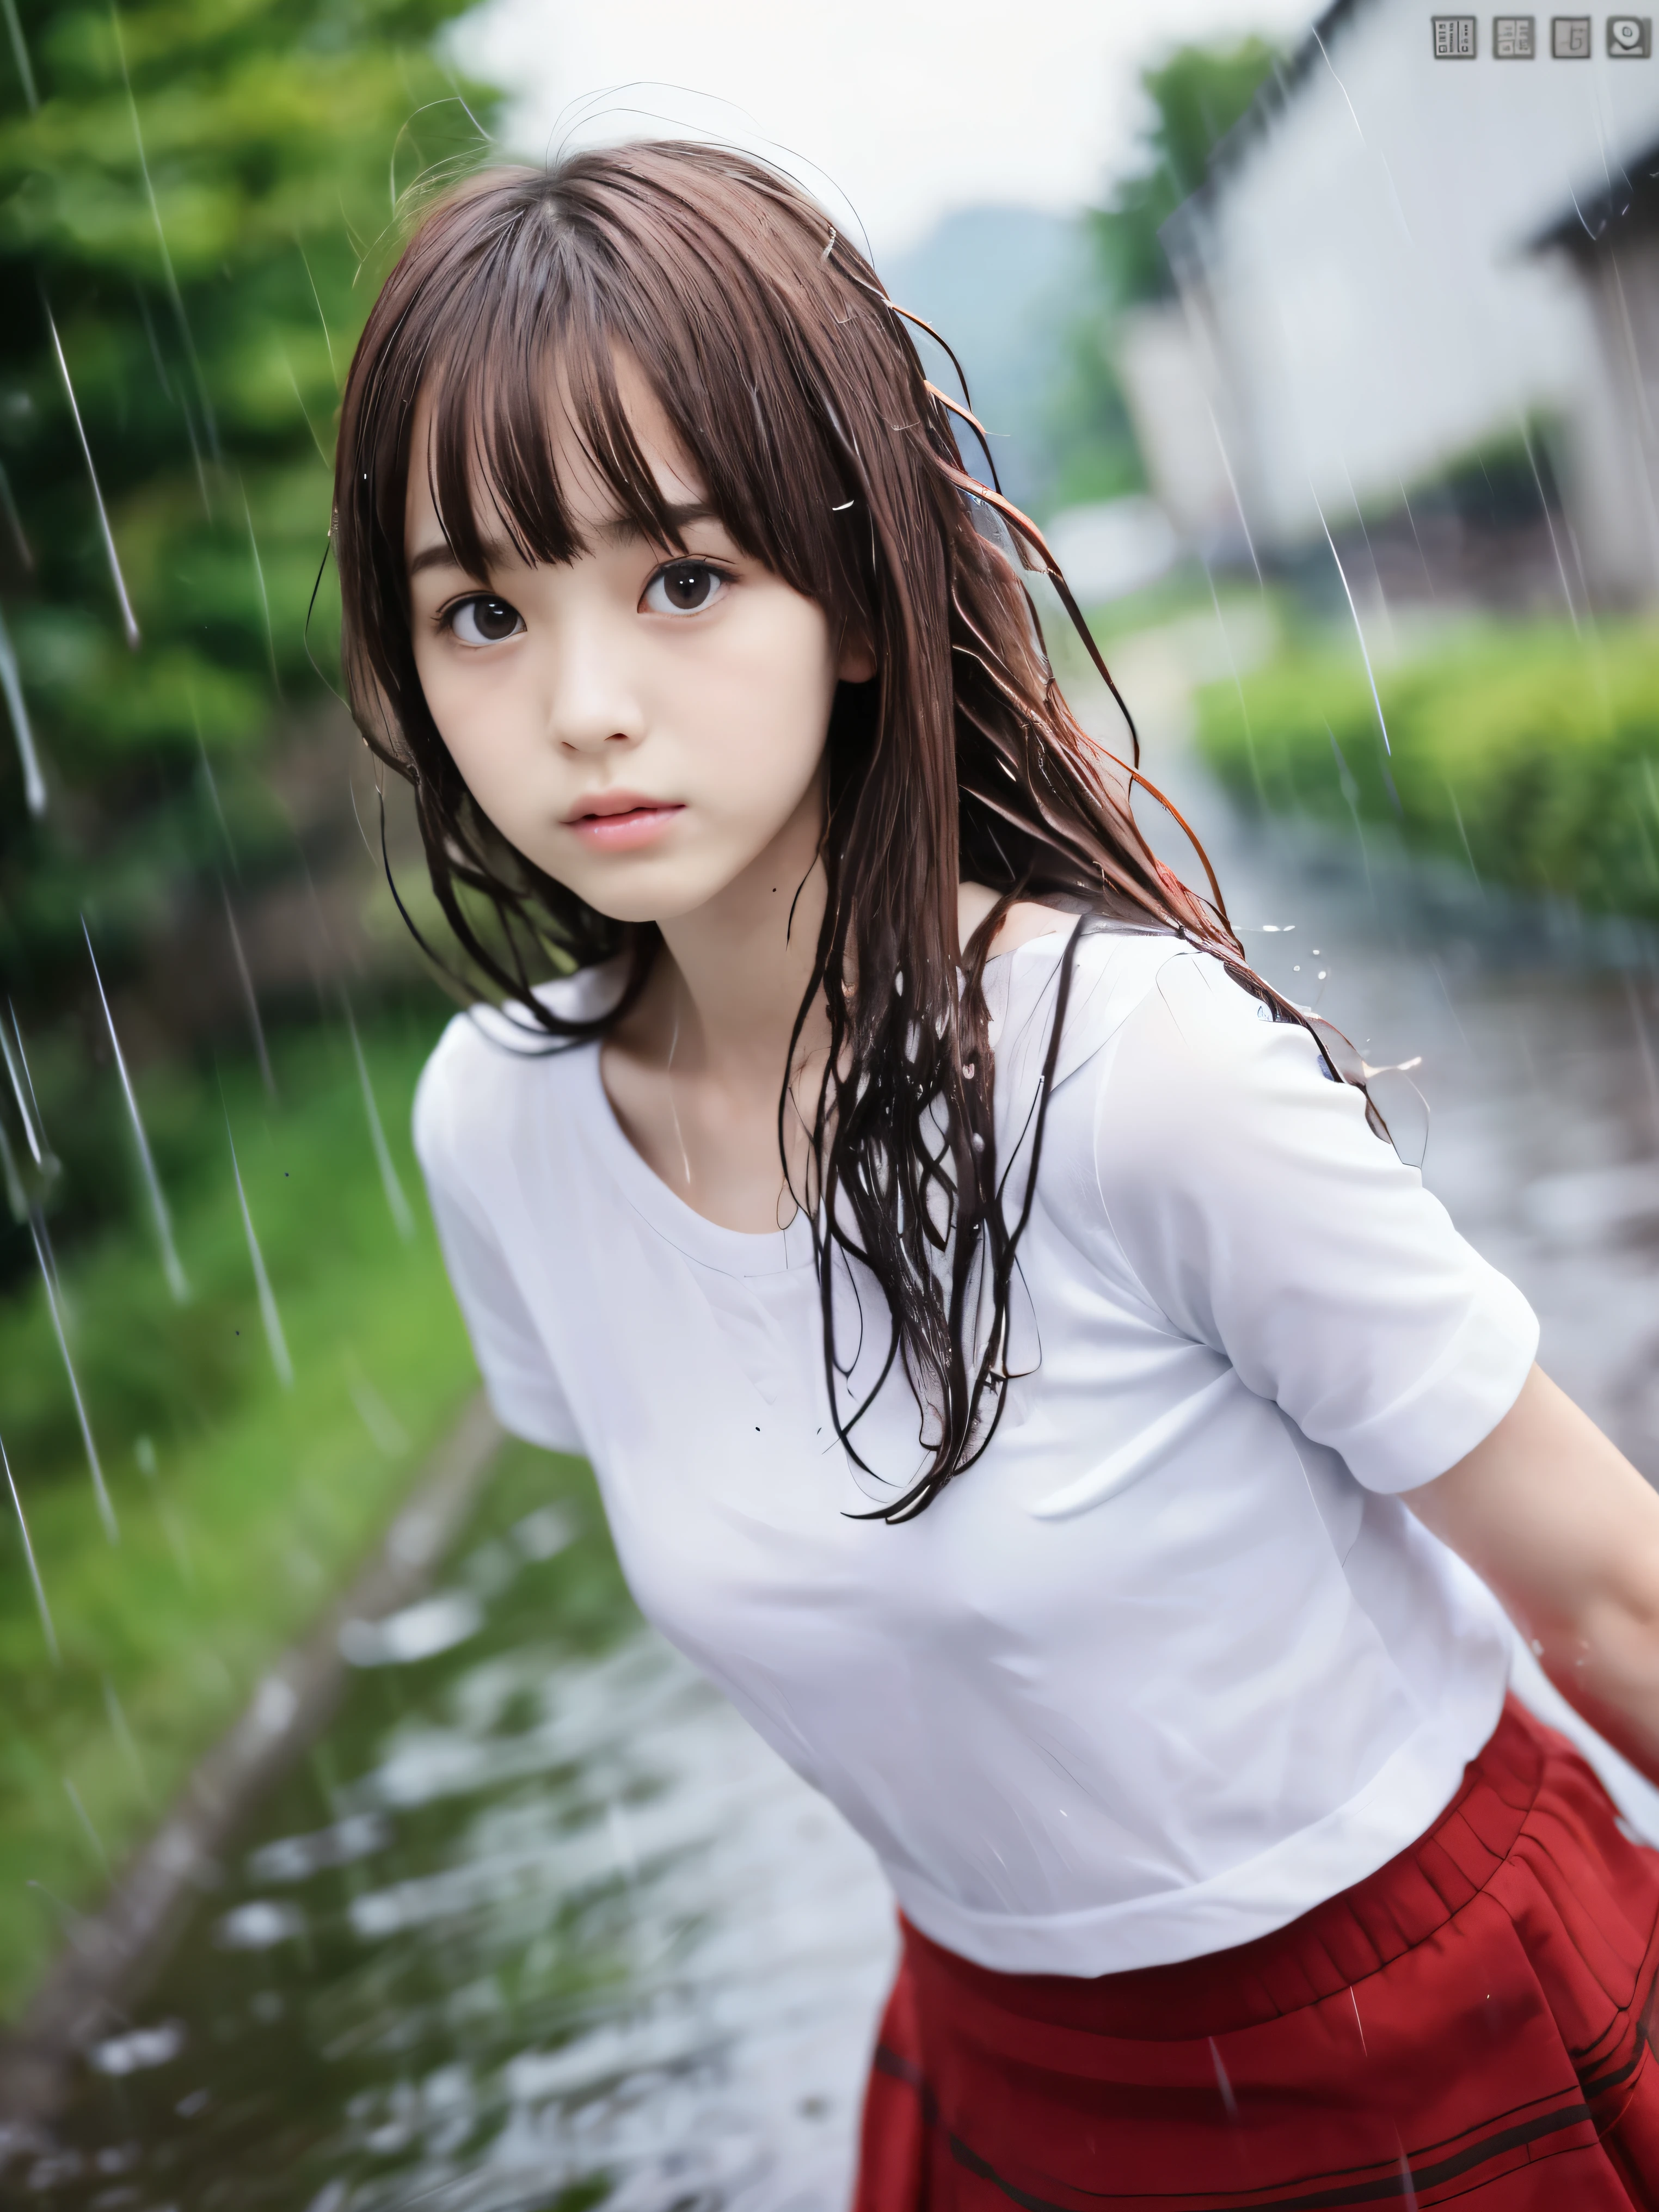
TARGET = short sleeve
x,y
1261,1215
518,1374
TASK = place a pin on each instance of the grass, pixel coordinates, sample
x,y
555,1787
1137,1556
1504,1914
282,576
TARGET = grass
x,y
241,1503
1526,752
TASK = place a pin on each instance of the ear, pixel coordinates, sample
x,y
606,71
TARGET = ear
x,y
857,664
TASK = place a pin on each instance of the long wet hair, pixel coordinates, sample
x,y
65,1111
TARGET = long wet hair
x,y
792,383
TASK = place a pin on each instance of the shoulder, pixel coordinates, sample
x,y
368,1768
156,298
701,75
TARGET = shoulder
x,y
488,1058
1113,971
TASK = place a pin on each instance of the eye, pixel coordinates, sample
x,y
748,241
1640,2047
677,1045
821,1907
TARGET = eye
x,y
683,587
483,621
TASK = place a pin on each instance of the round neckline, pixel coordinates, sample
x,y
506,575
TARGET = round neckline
x,y
734,1251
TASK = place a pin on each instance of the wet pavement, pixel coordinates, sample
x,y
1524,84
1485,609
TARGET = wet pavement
x,y
540,1923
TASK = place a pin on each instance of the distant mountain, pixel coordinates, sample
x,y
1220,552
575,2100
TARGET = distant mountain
x,y
1000,283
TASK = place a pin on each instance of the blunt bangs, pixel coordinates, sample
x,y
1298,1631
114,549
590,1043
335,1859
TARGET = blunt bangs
x,y
548,297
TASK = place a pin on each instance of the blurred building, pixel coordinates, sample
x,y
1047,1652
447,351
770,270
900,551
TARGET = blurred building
x,y
1399,263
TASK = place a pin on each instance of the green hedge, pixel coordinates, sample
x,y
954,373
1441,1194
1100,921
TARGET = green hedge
x,y
1528,753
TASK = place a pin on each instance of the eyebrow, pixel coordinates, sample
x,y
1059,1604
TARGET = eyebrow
x,y
621,533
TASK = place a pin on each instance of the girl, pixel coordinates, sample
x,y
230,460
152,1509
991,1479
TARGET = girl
x,y
1013,1368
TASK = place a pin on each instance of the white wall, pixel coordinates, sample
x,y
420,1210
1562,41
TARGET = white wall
x,y
1359,276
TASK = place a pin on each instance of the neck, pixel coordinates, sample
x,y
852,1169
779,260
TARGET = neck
x,y
737,969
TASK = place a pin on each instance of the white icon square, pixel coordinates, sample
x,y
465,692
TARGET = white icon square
x,y
1630,38
1512,38
1454,38
1570,37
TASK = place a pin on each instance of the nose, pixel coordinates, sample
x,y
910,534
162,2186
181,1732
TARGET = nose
x,y
593,702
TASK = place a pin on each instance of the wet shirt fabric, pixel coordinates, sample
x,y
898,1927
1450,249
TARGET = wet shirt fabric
x,y
1172,1663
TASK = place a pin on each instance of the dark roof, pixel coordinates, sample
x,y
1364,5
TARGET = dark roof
x,y
1628,208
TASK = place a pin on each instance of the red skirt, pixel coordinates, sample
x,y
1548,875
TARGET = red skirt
x,y
1469,2025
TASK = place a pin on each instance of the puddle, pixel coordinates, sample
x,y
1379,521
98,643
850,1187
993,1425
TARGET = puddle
x,y
542,1923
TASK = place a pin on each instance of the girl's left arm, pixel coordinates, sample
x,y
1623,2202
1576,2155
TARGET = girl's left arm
x,y
1558,1522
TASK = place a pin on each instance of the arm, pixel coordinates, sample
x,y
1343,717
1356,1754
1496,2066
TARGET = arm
x,y
1563,1528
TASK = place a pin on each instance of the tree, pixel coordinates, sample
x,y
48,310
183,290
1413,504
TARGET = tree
x,y
1196,96
195,198
188,192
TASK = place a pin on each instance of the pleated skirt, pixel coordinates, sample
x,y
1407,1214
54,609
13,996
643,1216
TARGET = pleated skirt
x,y
1467,2025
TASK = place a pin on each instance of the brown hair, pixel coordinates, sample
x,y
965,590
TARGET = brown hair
x,y
794,388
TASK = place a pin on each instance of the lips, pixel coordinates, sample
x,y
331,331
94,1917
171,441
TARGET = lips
x,y
623,821
603,803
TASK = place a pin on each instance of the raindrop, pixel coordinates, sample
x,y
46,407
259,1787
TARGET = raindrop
x,y
11,684
16,1196
268,1312
174,291
105,1510
15,522
265,596
20,54
397,1203
1365,651
246,978
158,1203
129,620
33,1128
1230,2102
44,1610
212,783
333,366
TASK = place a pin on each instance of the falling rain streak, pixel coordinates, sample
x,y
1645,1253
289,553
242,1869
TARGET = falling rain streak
x,y
397,1202
1360,628
158,1203
44,1609
245,976
168,269
11,684
129,620
105,1510
20,54
268,1312
265,596
35,1136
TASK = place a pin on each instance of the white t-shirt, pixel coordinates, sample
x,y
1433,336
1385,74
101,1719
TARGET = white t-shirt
x,y
1172,1663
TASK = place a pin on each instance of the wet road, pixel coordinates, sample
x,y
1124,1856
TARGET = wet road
x,y
541,1924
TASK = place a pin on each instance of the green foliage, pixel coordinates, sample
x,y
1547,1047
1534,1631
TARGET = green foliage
x,y
190,195
240,1502
1529,754
1197,96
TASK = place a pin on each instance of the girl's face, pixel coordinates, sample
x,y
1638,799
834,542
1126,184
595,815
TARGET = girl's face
x,y
645,728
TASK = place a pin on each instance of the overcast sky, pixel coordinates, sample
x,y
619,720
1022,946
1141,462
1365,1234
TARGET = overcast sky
x,y
908,107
